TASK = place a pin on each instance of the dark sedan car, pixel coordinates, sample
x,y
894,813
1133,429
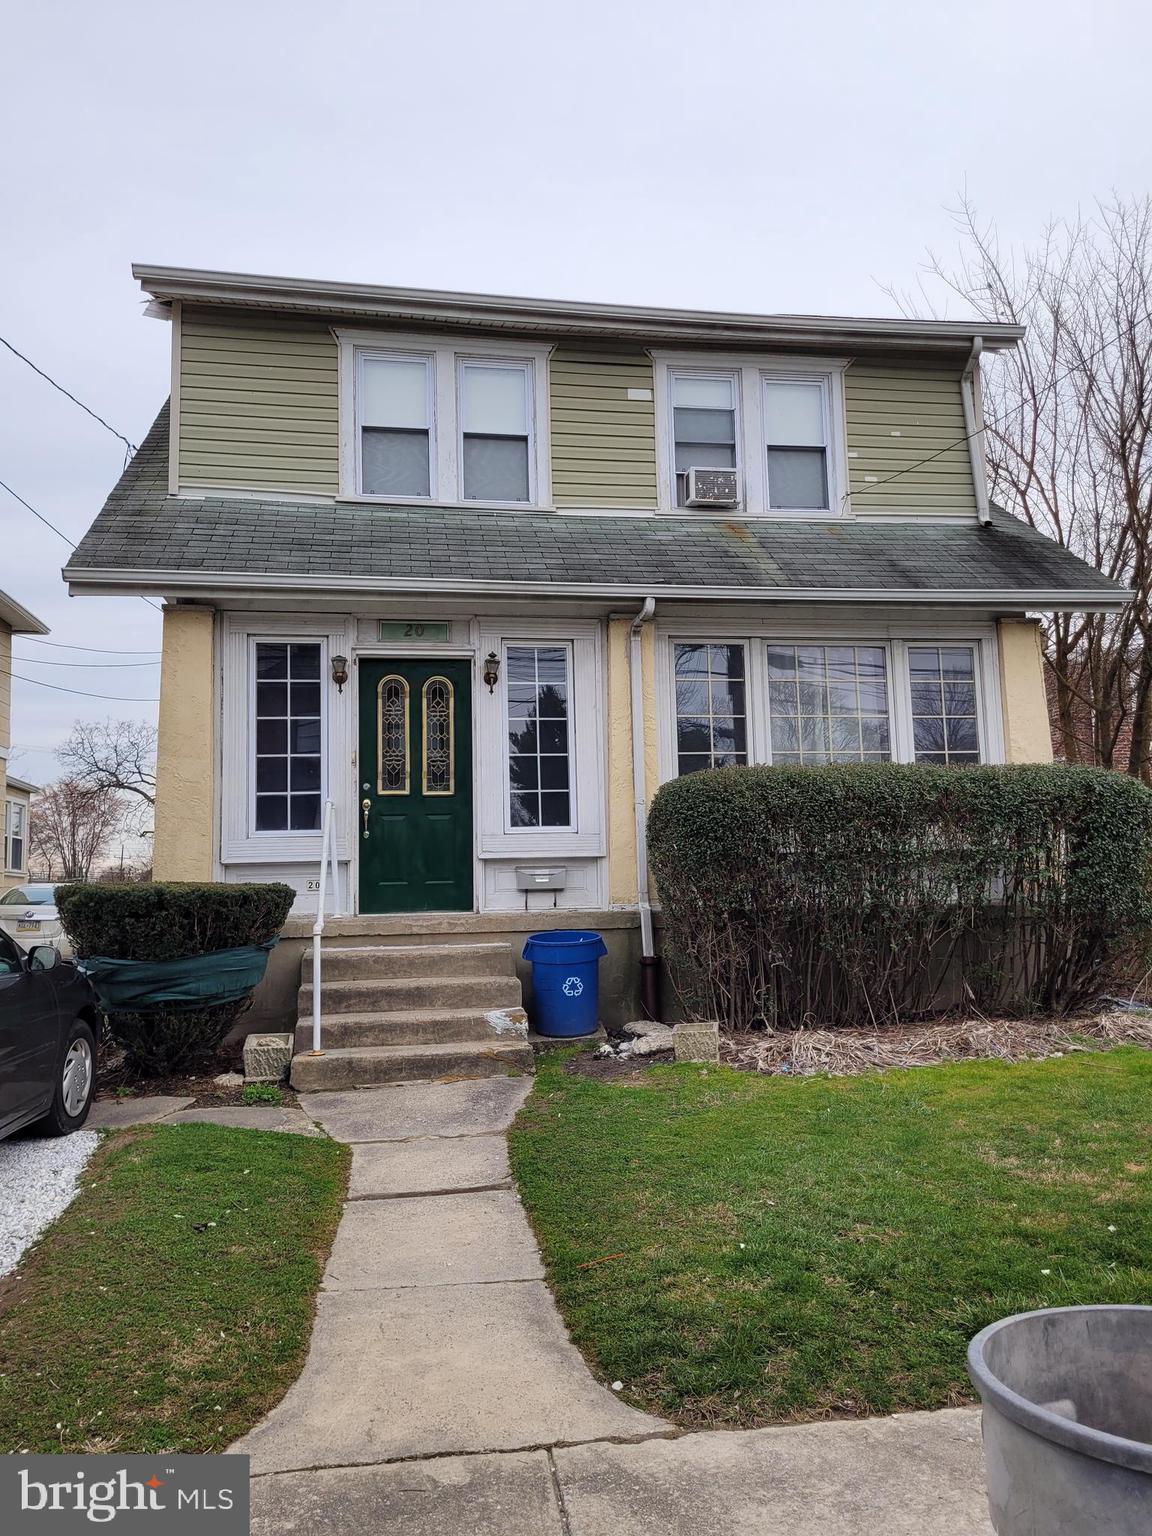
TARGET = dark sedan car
x,y
48,1028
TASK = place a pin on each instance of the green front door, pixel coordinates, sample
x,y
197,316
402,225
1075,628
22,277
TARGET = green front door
x,y
415,782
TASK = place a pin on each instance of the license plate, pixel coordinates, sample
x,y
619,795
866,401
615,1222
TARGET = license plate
x,y
27,927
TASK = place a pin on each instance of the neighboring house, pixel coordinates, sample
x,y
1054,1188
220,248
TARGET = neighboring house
x,y
485,571
14,793
17,806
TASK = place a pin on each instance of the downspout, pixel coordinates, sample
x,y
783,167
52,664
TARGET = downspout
x,y
974,429
649,964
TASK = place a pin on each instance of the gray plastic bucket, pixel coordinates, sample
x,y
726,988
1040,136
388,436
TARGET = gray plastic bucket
x,y
1067,1396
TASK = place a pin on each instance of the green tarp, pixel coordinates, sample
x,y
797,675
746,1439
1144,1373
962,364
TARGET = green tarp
x,y
199,981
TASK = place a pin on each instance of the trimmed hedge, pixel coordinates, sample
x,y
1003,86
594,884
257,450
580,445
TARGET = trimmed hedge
x,y
168,921
171,921
862,894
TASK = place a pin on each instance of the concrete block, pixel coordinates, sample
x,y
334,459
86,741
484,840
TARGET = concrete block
x,y
267,1058
695,1041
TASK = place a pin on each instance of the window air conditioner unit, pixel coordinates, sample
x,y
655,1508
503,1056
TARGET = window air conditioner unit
x,y
713,488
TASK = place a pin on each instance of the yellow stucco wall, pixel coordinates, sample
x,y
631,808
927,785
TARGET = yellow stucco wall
x,y
621,804
185,815
1027,735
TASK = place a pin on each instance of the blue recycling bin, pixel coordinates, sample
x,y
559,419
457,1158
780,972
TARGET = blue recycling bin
x,y
566,981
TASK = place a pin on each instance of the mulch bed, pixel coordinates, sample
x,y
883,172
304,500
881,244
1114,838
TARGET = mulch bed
x,y
117,1081
848,1052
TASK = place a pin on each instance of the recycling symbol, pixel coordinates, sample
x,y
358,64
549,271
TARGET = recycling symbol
x,y
573,987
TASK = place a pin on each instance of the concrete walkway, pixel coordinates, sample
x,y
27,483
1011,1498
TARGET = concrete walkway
x,y
441,1393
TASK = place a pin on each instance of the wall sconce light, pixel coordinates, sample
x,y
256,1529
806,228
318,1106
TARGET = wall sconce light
x,y
491,670
340,672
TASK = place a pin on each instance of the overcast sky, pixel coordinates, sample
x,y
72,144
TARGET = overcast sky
x,y
759,155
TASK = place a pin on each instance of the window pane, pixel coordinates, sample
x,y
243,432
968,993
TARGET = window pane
x,y
394,462
696,392
797,477
945,721
711,723
539,768
496,469
693,426
793,414
288,720
393,392
704,456
827,703
494,400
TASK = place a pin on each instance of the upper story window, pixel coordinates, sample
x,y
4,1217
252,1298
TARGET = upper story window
x,y
703,425
424,420
796,442
15,833
495,431
778,423
395,398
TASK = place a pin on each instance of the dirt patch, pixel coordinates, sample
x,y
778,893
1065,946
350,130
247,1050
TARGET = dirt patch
x,y
118,1081
846,1052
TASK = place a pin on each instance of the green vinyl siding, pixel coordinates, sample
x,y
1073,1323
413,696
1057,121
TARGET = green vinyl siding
x,y
259,402
897,416
603,444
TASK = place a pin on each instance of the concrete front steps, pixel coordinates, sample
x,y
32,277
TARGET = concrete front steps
x,y
411,1013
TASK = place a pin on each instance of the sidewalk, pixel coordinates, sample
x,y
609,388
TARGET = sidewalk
x,y
441,1393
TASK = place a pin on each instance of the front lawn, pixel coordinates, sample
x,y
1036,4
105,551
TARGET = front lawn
x,y
739,1250
171,1304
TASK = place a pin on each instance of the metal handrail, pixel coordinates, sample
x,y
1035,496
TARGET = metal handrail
x,y
326,863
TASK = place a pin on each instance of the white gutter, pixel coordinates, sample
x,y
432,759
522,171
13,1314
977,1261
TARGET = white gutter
x,y
438,306
97,581
639,776
974,431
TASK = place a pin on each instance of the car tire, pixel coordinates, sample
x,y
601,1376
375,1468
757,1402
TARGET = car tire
x,y
75,1086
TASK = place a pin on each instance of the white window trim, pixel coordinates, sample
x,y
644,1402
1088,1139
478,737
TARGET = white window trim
x,y
12,809
239,841
981,638
446,438
751,446
586,836
391,354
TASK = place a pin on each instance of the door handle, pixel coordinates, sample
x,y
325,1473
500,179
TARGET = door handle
x,y
366,807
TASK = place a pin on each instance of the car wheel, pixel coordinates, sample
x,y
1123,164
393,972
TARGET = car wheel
x,y
75,1082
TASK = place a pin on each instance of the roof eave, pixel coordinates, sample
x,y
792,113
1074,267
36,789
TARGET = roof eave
x,y
18,619
209,584
495,311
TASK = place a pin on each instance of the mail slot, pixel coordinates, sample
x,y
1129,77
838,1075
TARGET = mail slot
x,y
538,877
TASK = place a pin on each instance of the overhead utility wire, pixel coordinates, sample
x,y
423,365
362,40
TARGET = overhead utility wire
x,y
100,666
979,432
47,377
97,650
117,698
70,542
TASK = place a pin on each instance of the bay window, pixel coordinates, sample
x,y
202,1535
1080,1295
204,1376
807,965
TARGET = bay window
x,y
798,703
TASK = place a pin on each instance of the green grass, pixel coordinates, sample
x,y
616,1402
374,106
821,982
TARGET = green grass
x,y
171,1304
263,1093
741,1250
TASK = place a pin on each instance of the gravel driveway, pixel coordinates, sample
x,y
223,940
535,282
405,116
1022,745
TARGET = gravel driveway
x,y
38,1178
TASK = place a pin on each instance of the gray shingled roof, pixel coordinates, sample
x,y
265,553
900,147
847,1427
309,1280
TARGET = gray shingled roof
x,y
141,529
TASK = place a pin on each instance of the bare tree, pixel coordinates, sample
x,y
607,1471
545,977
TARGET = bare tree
x,y
113,754
1068,416
70,826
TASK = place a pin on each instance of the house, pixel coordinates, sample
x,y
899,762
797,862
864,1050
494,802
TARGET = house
x,y
15,794
483,571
